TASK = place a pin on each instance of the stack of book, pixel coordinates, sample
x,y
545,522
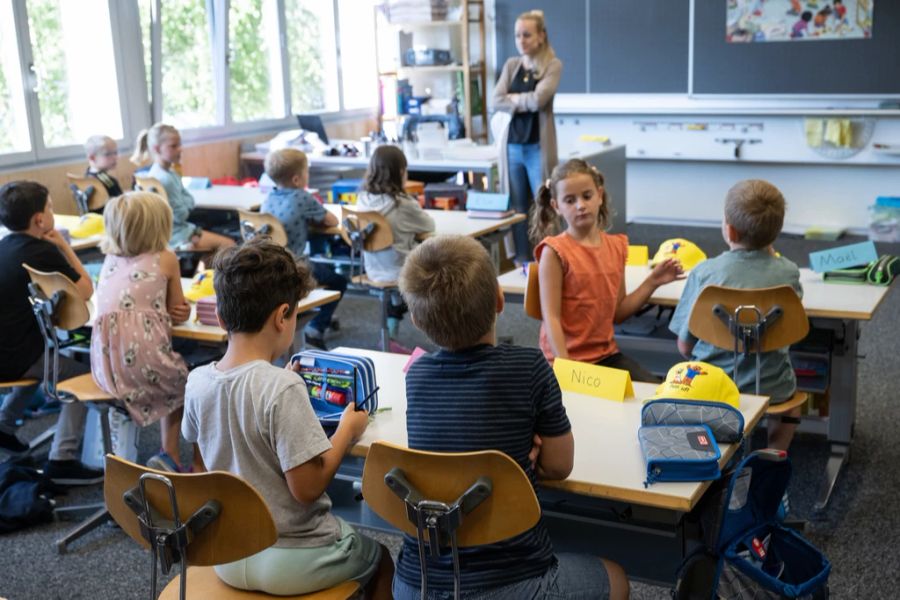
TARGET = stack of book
x,y
206,311
484,205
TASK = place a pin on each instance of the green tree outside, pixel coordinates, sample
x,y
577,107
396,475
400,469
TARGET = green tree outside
x,y
45,23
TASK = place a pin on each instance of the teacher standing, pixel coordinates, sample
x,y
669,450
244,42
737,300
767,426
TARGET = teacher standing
x,y
525,89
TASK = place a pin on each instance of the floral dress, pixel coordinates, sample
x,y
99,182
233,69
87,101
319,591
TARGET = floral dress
x,y
131,344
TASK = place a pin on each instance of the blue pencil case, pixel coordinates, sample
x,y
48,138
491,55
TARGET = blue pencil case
x,y
679,453
335,380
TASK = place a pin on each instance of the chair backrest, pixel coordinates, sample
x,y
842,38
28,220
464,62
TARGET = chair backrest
x,y
790,328
252,224
511,509
381,236
72,312
150,184
244,526
97,194
533,293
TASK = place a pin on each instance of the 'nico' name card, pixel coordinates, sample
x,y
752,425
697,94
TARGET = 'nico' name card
x,y
593,380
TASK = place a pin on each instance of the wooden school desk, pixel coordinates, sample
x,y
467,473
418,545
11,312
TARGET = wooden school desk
x,y
608,466
228,197
193,329
475,163
833,306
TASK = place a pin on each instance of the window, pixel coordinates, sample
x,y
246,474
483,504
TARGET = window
x,y
358,70
74,65
13,118
254,61
188,93
311,55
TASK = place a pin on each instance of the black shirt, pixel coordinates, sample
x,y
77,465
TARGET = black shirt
x,y
108,181
524,127
21,343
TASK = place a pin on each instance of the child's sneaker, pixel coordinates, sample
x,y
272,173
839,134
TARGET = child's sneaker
x,y
314,338
71,472
11,444
163,462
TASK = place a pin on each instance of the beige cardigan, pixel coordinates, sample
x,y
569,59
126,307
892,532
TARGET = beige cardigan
x,y
540,101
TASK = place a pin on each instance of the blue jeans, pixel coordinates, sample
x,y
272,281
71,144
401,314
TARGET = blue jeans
x,y
330,280
573,577
524,180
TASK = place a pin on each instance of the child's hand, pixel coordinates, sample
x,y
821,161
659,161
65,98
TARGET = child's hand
x,y
293,365
665,272
355,421
55,237
180,312
537,442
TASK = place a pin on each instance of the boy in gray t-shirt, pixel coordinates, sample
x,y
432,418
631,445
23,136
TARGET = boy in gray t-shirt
x,y
253,419
754,215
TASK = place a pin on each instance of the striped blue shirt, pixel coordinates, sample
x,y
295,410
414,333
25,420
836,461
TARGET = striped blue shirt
x,y
486,397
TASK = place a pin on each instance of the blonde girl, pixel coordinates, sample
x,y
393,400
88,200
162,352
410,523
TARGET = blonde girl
x,y
582,271
138,298
525,90
162,143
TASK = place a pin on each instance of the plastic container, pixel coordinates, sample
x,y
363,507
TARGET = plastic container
x,y
123,433
884,219
344,191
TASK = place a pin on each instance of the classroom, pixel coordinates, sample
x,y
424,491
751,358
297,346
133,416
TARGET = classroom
x,y
212,208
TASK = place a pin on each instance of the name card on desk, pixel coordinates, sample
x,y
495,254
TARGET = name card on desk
x,y
843,257
593,380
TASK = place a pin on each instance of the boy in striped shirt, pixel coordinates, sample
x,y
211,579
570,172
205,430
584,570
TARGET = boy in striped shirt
x,y
488,397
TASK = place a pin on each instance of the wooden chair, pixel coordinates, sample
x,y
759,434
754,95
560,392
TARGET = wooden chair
x,y
88,192
533,293
369,231
56,304
224,517
752,321
254,224
150,184
474,498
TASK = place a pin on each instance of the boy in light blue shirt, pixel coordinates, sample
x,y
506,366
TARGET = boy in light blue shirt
x,y
291,204
754,215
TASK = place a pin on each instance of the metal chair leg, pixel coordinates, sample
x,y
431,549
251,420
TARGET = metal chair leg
x,y
385,332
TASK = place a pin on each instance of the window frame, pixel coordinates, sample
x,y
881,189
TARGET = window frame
x,y
140,107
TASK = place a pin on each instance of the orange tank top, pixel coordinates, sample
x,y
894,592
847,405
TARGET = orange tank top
x,y
592,277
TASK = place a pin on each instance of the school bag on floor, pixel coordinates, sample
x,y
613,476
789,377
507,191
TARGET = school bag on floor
x,y
749,554
334,380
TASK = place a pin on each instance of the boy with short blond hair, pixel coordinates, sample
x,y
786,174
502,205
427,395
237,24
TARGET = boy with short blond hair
x,y
103,156
253,419
291,204
754,215
487,397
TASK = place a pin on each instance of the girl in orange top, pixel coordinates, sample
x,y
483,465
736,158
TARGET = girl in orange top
x,y
582,271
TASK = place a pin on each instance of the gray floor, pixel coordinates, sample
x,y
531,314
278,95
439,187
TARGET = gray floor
x,y
860,531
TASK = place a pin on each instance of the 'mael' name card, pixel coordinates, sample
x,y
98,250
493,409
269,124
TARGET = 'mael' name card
x,y
593,380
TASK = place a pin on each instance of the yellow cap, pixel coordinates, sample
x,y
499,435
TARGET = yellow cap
x,y
695,380
89,225
201,287
684,251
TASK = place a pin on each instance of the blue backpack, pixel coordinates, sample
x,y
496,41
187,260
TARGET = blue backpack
x,y
749,554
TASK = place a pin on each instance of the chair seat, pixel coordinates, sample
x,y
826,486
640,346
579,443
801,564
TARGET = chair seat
x,y
798,399
202,582
84,388
383,285
17,383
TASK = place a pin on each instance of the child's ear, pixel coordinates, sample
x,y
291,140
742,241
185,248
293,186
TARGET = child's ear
x,y
501,300
280,315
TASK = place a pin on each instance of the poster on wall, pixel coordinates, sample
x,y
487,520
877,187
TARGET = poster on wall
x,y
798,20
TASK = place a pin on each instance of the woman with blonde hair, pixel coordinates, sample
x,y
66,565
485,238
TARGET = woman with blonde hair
x,y
525,89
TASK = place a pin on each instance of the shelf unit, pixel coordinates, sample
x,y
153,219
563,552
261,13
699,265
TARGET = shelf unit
x,y
469,60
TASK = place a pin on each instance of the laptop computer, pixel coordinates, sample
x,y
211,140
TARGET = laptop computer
x,y
313,123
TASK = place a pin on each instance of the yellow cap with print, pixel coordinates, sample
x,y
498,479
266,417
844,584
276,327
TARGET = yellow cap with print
x,y
89,225
201,287
684,251
695,380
